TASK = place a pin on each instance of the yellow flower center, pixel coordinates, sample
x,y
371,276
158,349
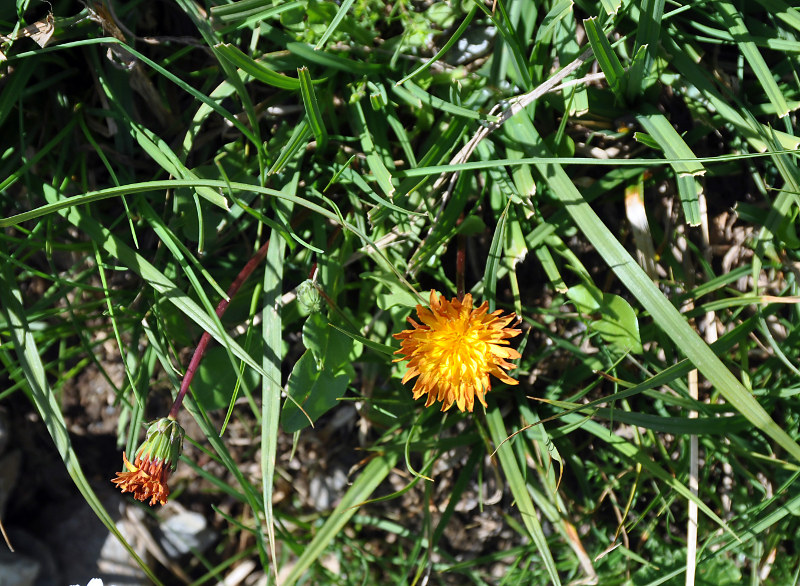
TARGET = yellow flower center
x,y
454,351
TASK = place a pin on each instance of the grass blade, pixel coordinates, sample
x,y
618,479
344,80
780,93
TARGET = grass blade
x,y
246,11
361,490
313,113
271,387
754,133
663,312
413,93
340,14
325,59
519,489
29,358
648,30
375,161
256,69
674,147
606,57
445,48
736,26
300,135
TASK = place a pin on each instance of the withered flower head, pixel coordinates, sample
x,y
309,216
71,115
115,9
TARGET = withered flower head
x,y
455,349
158,457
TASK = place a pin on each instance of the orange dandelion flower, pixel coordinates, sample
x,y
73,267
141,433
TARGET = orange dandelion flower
x,y
455,349
147,477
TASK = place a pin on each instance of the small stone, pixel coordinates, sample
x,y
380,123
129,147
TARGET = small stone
x,y
17,569
326,491
85,549
185,531
114,559
31,562
475,43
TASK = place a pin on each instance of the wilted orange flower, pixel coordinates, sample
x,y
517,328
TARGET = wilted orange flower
x,y
146,479
455,349
158,457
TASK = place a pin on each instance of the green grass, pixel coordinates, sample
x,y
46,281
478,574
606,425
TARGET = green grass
x,y
139,174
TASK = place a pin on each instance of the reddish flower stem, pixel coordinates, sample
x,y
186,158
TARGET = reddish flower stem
x,y
206,337
461,258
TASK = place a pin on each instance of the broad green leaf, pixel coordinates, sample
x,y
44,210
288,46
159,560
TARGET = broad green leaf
x,y
332,349
611,316
215,380
312,389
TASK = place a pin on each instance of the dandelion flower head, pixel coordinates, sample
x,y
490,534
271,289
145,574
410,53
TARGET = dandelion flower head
x,y
455,349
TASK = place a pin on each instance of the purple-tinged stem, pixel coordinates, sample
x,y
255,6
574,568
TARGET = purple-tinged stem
x,y
461,259
206,337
